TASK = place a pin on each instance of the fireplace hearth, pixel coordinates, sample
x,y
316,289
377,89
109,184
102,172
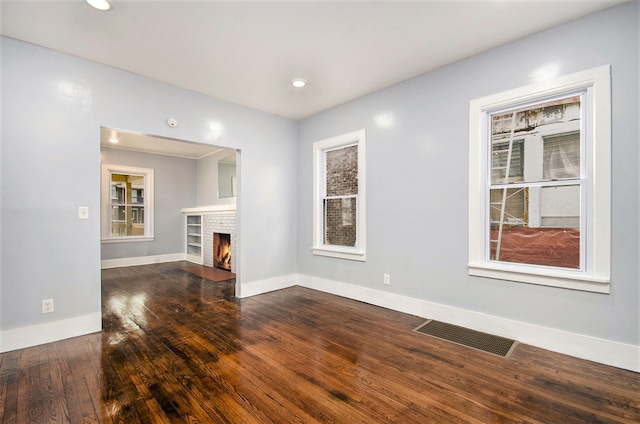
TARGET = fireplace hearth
x,y
222,251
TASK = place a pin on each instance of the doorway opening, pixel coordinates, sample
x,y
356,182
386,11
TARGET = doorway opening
x,y
188,175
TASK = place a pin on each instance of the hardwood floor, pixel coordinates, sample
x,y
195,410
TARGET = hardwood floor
x,y
179,348
213,274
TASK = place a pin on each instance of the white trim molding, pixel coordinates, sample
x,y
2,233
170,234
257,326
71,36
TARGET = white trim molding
x,y
142,260
148,205
606,352
230,207
359,251
37,334
258,287
594,273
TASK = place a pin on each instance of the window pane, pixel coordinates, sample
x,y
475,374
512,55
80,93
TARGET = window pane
x,y
137,215
547,232
118,192
514,210
127,221
340,221
562,157
135,227
127,200
137,196
560,206
529,158
341,169
499,158
118,221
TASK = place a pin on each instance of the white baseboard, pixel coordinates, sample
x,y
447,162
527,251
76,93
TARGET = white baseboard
x,y
142,260
606,352
33,335
254,288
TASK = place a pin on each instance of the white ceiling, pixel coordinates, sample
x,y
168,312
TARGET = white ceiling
x,y
248,52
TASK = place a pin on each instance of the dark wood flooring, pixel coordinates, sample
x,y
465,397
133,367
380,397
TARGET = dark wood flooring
x,y
179,348
213,274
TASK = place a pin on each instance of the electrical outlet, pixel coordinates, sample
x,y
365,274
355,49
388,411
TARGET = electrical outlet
x,y
83,212
47,306
387,279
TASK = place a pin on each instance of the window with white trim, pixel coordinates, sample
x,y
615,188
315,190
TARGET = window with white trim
x,y
127,203
339,197
540,183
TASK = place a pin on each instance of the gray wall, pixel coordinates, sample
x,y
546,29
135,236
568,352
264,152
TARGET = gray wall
x,y
208,180
417,181
226,173
51,165
174,189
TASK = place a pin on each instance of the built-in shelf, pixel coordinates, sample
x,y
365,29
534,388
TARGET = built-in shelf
x,y
195,217
194,238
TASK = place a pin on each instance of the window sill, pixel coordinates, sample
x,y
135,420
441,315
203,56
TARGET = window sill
x,y
127,239
340,253
574,280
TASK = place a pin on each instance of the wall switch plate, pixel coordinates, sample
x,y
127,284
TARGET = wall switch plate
x,y
386,279
83,212
47,306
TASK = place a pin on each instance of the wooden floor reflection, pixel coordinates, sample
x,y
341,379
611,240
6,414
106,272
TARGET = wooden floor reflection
x,y
179,348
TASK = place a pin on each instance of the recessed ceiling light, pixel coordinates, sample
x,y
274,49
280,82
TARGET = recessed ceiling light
x,y
100,4
298,83
113,140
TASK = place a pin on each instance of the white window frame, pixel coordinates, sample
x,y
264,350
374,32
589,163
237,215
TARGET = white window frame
x,y
358,252
594,274
107,171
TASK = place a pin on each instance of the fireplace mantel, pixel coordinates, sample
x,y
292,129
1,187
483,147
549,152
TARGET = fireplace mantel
x,y
210,209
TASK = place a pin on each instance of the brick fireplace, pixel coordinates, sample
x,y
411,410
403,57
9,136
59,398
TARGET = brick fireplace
x,y
221,223
222,251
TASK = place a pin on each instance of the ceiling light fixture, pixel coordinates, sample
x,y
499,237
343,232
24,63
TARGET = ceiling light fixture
x,y
100,4
113,140
298,83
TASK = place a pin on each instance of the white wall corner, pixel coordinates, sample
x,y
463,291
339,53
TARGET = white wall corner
x,y
142,260
37,334
257,287
606,352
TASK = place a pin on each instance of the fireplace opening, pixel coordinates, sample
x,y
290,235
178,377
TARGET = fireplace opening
x,y
222,251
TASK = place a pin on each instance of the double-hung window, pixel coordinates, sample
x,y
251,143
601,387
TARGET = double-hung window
x,y
539,183
127,203
339,197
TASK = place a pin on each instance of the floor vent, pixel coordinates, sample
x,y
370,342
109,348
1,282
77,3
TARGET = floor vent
x,y
474,339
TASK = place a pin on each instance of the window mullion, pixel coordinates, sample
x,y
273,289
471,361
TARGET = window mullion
x,y
554,183
342,196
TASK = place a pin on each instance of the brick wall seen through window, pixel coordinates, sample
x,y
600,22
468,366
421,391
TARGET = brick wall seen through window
x,y
340,203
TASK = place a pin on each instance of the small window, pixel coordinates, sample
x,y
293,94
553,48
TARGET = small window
x,y
540,183
127,203
339,187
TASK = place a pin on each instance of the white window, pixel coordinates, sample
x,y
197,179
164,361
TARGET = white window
x,y
540,183
127,203
339,227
